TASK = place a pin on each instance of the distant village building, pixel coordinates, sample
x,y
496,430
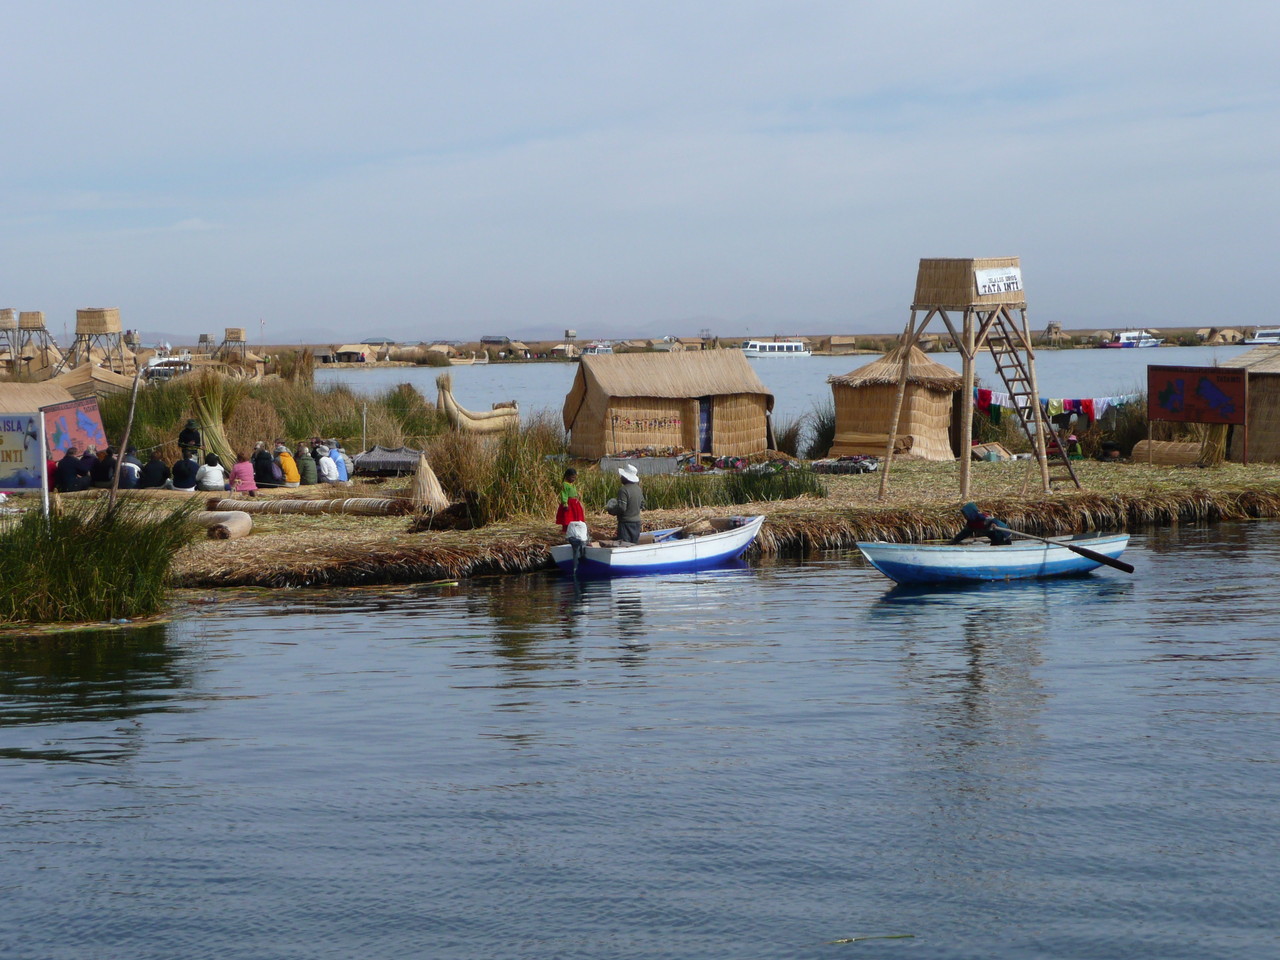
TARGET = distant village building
x,y
351,353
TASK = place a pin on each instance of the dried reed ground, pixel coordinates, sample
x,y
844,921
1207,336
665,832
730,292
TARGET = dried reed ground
x,y
293,550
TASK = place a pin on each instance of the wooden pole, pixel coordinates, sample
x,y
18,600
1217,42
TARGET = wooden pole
x,y
1042,421
124,442
908,341
966,402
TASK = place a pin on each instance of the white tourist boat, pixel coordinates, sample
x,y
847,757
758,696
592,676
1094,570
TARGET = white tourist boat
x,y
775,348
1271,336
1133,338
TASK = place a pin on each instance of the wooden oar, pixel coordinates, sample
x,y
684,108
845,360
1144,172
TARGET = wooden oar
x,y
1083,551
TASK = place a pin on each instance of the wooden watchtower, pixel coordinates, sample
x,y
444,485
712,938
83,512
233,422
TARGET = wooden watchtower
x,y
9,337
977,300
37,350
235,346
99,339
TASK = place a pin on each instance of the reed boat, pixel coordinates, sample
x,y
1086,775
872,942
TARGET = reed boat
x,y
501,417
978,562
677,550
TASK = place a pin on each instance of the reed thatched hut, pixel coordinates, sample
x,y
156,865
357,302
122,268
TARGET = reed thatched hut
x,y
705,400
88,380
30,397
864,401
1263,366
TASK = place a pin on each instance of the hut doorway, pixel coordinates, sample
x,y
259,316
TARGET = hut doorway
x,y
704,424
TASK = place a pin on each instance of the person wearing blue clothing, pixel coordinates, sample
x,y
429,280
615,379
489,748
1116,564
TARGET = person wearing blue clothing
x,y
979,524
335,454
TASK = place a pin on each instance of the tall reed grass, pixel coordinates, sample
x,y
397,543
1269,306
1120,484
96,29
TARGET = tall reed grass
x,y
682,491
91,561
235,414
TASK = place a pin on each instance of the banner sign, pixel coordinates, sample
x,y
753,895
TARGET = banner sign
x,y
998,280
75,423
1197,394
21,464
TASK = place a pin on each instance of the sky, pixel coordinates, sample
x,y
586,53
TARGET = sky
x,y
313,171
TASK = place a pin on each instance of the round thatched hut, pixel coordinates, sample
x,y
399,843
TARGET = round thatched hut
x,y
864,401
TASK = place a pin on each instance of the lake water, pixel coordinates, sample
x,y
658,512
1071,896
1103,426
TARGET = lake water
x,y
798,384
753,763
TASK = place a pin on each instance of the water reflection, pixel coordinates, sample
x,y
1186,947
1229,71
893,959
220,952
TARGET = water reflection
x,y
91,680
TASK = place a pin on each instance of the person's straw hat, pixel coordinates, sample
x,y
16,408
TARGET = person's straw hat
x,y
629,473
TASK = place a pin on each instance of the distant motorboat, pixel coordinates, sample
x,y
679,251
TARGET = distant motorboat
x,y
597,349
1132,338
775,348
1271,336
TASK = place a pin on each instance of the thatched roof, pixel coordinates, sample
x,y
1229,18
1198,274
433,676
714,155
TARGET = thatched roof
x,y
888,370
353,348
88,380
1261,359
691,373
30,397
387,460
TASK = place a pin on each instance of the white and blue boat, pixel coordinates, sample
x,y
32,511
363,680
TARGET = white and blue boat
x,y
676,550
980,561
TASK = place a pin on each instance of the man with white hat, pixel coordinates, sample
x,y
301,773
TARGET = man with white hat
x,y
628,504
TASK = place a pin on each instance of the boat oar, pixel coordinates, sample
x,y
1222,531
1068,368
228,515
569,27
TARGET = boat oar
x,y
1093,555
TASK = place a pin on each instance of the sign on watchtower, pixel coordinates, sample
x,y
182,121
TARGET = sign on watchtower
x,y
983,294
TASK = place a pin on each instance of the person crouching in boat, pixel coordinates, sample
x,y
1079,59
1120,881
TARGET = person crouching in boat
x,y
979,524
628,504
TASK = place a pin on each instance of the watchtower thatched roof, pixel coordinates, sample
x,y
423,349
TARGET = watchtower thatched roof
x,y
888,370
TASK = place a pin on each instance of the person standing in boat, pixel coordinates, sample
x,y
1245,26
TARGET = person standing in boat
x,y
570,505
979,524
628,504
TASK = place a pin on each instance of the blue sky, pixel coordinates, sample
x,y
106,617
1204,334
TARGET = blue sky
x,y
445,170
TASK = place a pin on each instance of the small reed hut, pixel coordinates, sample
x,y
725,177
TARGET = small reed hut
x,y
865,398
1262,365
710,401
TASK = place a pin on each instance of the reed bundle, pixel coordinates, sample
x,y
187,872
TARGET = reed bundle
x,y
358,506
224,524
427,494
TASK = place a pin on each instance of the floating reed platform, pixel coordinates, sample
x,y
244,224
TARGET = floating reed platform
x,y
351,555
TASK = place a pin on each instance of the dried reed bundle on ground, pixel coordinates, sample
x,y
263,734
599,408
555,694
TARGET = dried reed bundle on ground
x,y
360,506
224,524
426,492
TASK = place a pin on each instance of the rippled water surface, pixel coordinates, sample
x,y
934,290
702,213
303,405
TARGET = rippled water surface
x,y
750,764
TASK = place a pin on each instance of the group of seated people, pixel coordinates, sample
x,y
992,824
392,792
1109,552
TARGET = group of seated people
x,y
318,462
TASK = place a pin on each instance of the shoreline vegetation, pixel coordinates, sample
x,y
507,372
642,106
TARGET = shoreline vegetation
x,y
922,504
504,490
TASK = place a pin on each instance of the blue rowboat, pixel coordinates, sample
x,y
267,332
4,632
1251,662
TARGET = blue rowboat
x,y
662,551
976,562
